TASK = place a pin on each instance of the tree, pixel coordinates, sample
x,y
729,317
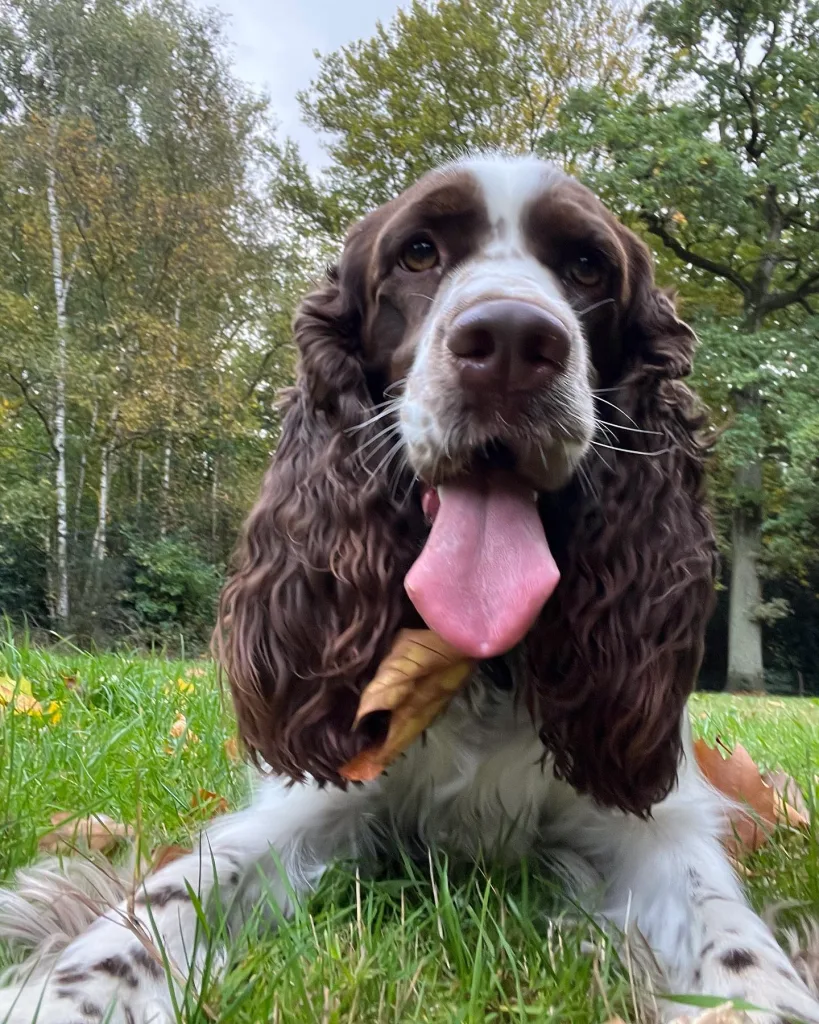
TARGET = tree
x,y
139,281
719,160
450,75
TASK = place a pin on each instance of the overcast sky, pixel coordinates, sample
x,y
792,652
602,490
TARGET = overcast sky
x,y
273,43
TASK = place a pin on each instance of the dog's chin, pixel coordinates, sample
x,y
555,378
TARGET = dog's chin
x,y
541,467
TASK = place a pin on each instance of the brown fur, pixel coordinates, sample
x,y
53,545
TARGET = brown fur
x,y
317,594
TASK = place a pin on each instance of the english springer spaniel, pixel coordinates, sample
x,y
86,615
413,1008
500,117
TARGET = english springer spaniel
x,y
489,434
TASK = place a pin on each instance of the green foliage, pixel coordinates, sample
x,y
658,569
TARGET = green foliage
x,y
450,75
173,590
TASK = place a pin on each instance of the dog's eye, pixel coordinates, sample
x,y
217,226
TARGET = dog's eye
x,y
418,254
586,271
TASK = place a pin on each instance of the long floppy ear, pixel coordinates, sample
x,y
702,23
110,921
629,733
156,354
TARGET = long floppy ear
x,y
317,591
619,645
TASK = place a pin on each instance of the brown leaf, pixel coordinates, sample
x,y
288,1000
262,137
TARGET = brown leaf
x,y
718,1015
737,776
414,683
163,855
212,802
232,748
96,832
791,807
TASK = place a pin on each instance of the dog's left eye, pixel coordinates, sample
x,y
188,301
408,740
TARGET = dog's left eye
x,y
418,254
586,271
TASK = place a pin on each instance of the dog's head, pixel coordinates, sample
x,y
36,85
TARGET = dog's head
x,y
492,357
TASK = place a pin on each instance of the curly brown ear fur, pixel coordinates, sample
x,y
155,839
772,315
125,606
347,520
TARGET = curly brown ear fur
x,y
316,596
618,647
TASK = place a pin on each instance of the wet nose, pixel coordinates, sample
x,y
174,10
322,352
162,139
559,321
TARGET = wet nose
x,y
507,345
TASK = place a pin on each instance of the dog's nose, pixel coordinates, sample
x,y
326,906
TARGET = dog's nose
x,y
507,345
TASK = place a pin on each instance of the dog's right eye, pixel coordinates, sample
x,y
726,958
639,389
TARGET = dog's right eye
x,y
418,254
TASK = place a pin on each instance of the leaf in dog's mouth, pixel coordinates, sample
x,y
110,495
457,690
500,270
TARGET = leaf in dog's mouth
x,y
413,685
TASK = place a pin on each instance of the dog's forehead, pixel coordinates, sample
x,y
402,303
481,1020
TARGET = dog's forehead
x,y
509,186
508,190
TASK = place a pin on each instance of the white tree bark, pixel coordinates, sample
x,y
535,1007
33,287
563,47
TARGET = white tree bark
x,y
214,507
164,513
139,474
100,541
61,286
81,479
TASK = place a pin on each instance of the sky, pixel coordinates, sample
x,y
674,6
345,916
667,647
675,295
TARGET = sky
x,y
273,41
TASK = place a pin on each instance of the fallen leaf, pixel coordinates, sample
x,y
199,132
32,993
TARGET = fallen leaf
x,y
180,728
95,832
791,805
718,1015
10,687
737,776
214,803
232,748
414,683
164,855
18,694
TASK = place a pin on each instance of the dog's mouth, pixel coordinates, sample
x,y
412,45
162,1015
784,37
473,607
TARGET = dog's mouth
x,y
486,570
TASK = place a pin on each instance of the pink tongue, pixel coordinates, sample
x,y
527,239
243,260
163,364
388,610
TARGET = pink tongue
x,y
486,569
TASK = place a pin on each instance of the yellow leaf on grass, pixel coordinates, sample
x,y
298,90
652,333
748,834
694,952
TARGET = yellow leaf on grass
x,y
96,832
18,694
232,748
9,687
210,802
180,729
414,684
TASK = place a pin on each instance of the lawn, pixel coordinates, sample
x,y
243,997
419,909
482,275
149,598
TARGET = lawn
x,y
440,943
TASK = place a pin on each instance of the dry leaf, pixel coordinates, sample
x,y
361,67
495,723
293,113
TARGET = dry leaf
x,y
232,748
790,803
737,776
164,855
180,728
414,683
214,803
96,832
719,1015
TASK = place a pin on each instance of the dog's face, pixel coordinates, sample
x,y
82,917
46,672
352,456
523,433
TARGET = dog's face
x,y
478,329
494,290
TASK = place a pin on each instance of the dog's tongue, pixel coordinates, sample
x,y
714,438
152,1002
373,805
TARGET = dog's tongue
x,y
486,569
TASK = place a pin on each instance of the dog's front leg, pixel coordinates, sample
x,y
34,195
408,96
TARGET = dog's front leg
x,y
668,882
116,969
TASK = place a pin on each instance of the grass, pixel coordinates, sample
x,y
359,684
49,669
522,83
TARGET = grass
x,y
436,943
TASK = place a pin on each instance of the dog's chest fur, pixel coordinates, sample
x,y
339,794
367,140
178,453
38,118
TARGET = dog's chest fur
x,y
477,782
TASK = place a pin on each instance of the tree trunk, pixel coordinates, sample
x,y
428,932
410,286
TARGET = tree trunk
x,y
81,479
164,513
60,297
745,665
139,473
99,543
166,488
214,506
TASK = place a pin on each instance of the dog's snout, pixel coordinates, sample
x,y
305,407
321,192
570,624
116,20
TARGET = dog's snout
x,y
507,345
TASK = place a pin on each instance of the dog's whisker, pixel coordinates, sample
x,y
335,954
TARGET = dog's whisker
x,y
395,384
595,305
388,457
624,413
391,407
633,430
381,433
629,451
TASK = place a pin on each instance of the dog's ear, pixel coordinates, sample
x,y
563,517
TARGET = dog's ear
x,y
317,592
617,651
